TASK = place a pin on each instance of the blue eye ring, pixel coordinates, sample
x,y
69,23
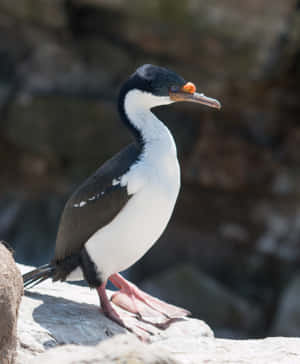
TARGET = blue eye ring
x,y
174,88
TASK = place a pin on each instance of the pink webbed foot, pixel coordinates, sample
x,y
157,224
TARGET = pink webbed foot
x,y
126,320
146,307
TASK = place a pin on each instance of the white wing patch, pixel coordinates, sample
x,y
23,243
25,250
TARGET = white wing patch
x,y
115,182
82,203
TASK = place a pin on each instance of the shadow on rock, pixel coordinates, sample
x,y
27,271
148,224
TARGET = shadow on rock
x,y
70,322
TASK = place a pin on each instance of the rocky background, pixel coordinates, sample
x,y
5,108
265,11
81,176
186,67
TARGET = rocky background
x,y
231,252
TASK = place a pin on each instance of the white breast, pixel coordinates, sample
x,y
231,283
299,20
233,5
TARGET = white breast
x,y
141,222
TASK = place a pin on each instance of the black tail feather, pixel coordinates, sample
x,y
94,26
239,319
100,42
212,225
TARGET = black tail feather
x,y
38,275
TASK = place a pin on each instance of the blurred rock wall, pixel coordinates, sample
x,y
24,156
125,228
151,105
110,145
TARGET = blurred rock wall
x,y
236,228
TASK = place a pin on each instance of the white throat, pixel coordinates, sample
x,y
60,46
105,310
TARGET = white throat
x,y
137,106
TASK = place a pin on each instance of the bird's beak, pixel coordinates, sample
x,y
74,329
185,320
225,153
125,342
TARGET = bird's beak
x,y
188,93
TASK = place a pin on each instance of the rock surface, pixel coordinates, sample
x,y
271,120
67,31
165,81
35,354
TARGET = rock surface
x,y
11,289
124,349
61,313
128,350
61,323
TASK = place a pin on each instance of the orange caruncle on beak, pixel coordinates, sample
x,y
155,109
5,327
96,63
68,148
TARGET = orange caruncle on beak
x,y
189,87
188,93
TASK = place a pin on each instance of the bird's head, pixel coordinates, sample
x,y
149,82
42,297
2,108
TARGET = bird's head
x,y
151,86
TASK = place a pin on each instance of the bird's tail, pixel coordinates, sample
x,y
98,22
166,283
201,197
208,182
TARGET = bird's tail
x,y
38,275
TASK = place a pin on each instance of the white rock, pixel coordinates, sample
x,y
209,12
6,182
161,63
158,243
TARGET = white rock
x,y
123,349
53,316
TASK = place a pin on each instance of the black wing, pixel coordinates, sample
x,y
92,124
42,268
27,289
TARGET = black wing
x,y
94,204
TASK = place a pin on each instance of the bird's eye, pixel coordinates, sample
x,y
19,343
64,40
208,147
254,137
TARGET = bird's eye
x,y
174,88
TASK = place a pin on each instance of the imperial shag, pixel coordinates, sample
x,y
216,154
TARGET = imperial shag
x,y
118,213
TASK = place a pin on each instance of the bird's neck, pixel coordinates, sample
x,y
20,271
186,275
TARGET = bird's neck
x,y
149,131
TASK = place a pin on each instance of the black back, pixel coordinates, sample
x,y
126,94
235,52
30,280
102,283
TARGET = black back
x,y
101,201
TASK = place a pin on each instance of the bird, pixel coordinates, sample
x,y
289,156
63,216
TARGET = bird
x,y
115,216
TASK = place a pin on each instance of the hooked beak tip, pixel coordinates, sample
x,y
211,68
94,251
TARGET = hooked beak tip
x,y
195,97
218,105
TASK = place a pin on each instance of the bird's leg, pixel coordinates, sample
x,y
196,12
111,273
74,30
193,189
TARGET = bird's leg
x,y
148,308
125,320
106,305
